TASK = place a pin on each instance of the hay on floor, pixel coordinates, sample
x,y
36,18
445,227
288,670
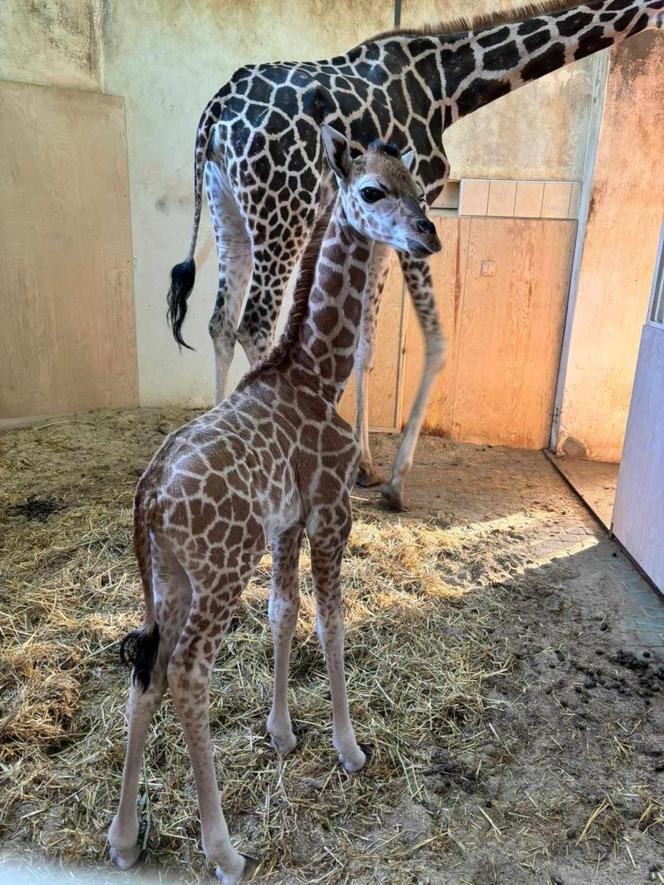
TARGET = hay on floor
x,y
422,661
416,666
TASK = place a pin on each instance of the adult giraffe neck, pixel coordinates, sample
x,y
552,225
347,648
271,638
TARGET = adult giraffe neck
x,y
323,353
466,68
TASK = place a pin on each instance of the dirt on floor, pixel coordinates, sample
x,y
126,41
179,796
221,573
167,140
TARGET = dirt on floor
x,y
517,726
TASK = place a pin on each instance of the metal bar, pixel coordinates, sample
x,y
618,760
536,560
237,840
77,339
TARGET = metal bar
x,y
592,145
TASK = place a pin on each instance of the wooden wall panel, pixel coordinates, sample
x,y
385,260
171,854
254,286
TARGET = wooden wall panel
x,y
504,331
67,337
384,381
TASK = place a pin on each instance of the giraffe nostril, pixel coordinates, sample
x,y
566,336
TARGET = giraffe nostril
x,y
424,226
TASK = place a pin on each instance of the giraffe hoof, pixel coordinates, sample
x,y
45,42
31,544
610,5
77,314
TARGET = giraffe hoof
x,y
368,477
251,867
127,858
392,498
283,746
353,762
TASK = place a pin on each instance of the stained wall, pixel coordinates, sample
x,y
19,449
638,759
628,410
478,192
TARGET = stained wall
x,y
619,254
51,42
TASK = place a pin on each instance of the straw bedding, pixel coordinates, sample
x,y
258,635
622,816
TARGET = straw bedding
x,y
464,782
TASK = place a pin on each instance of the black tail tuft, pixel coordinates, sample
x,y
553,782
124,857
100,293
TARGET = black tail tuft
x,y
182,282
139,649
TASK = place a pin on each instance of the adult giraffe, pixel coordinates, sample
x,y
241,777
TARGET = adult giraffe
x,y
257,146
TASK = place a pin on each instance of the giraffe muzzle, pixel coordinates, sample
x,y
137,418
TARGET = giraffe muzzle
x,y
425,243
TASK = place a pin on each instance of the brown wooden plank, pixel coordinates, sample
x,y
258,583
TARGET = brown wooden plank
x,y
68,339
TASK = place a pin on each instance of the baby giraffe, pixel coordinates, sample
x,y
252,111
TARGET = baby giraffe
x,y
268,464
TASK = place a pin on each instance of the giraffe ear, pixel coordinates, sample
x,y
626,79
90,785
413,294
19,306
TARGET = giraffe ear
x,y
337,151
408,159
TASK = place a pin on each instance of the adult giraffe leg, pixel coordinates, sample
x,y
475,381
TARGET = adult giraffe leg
x,y
273,265
234,258
417,274
189,673
367,475
327,548
283,609
172,596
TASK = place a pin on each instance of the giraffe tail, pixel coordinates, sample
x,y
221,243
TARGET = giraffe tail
x,y
139,648
183,275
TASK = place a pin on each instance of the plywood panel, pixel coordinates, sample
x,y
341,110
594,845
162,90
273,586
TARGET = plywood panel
x,y
67,340
511,331
619,253
385,377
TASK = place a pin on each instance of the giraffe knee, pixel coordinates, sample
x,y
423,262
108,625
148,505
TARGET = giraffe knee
x,y
283,612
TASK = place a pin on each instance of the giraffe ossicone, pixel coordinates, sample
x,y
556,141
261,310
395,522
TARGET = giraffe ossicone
x,y
271,463
258,151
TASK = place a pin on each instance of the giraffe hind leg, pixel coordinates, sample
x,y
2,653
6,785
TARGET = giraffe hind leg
x,y
234,258
214,600
151,654
273,264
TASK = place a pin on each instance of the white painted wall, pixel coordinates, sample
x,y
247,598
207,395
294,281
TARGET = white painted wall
x,y
51,43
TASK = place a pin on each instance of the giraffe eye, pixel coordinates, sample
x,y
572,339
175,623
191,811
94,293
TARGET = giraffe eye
x,y
371,194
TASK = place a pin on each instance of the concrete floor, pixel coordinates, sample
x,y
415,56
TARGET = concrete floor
x,y
475,486
594,481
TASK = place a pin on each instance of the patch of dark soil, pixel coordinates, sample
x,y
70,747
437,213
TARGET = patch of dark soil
x,y
34,508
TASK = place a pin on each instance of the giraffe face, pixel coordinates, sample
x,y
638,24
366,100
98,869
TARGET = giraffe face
x,y
379,195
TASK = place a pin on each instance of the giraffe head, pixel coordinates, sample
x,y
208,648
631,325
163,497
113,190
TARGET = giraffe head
x,y
379,195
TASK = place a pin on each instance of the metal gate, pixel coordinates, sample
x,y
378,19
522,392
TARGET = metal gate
x,y
638,515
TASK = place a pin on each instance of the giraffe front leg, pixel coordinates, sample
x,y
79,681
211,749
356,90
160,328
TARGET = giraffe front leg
x,y
367,475
283,610
327,548
417,274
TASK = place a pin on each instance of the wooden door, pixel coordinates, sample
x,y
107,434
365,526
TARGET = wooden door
x,y
501,288
67,336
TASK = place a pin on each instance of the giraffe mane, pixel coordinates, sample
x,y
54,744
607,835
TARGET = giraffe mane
x,y
303,285
464,24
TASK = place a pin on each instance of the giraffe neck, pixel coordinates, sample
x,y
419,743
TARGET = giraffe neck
x,y
467,70
323,352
